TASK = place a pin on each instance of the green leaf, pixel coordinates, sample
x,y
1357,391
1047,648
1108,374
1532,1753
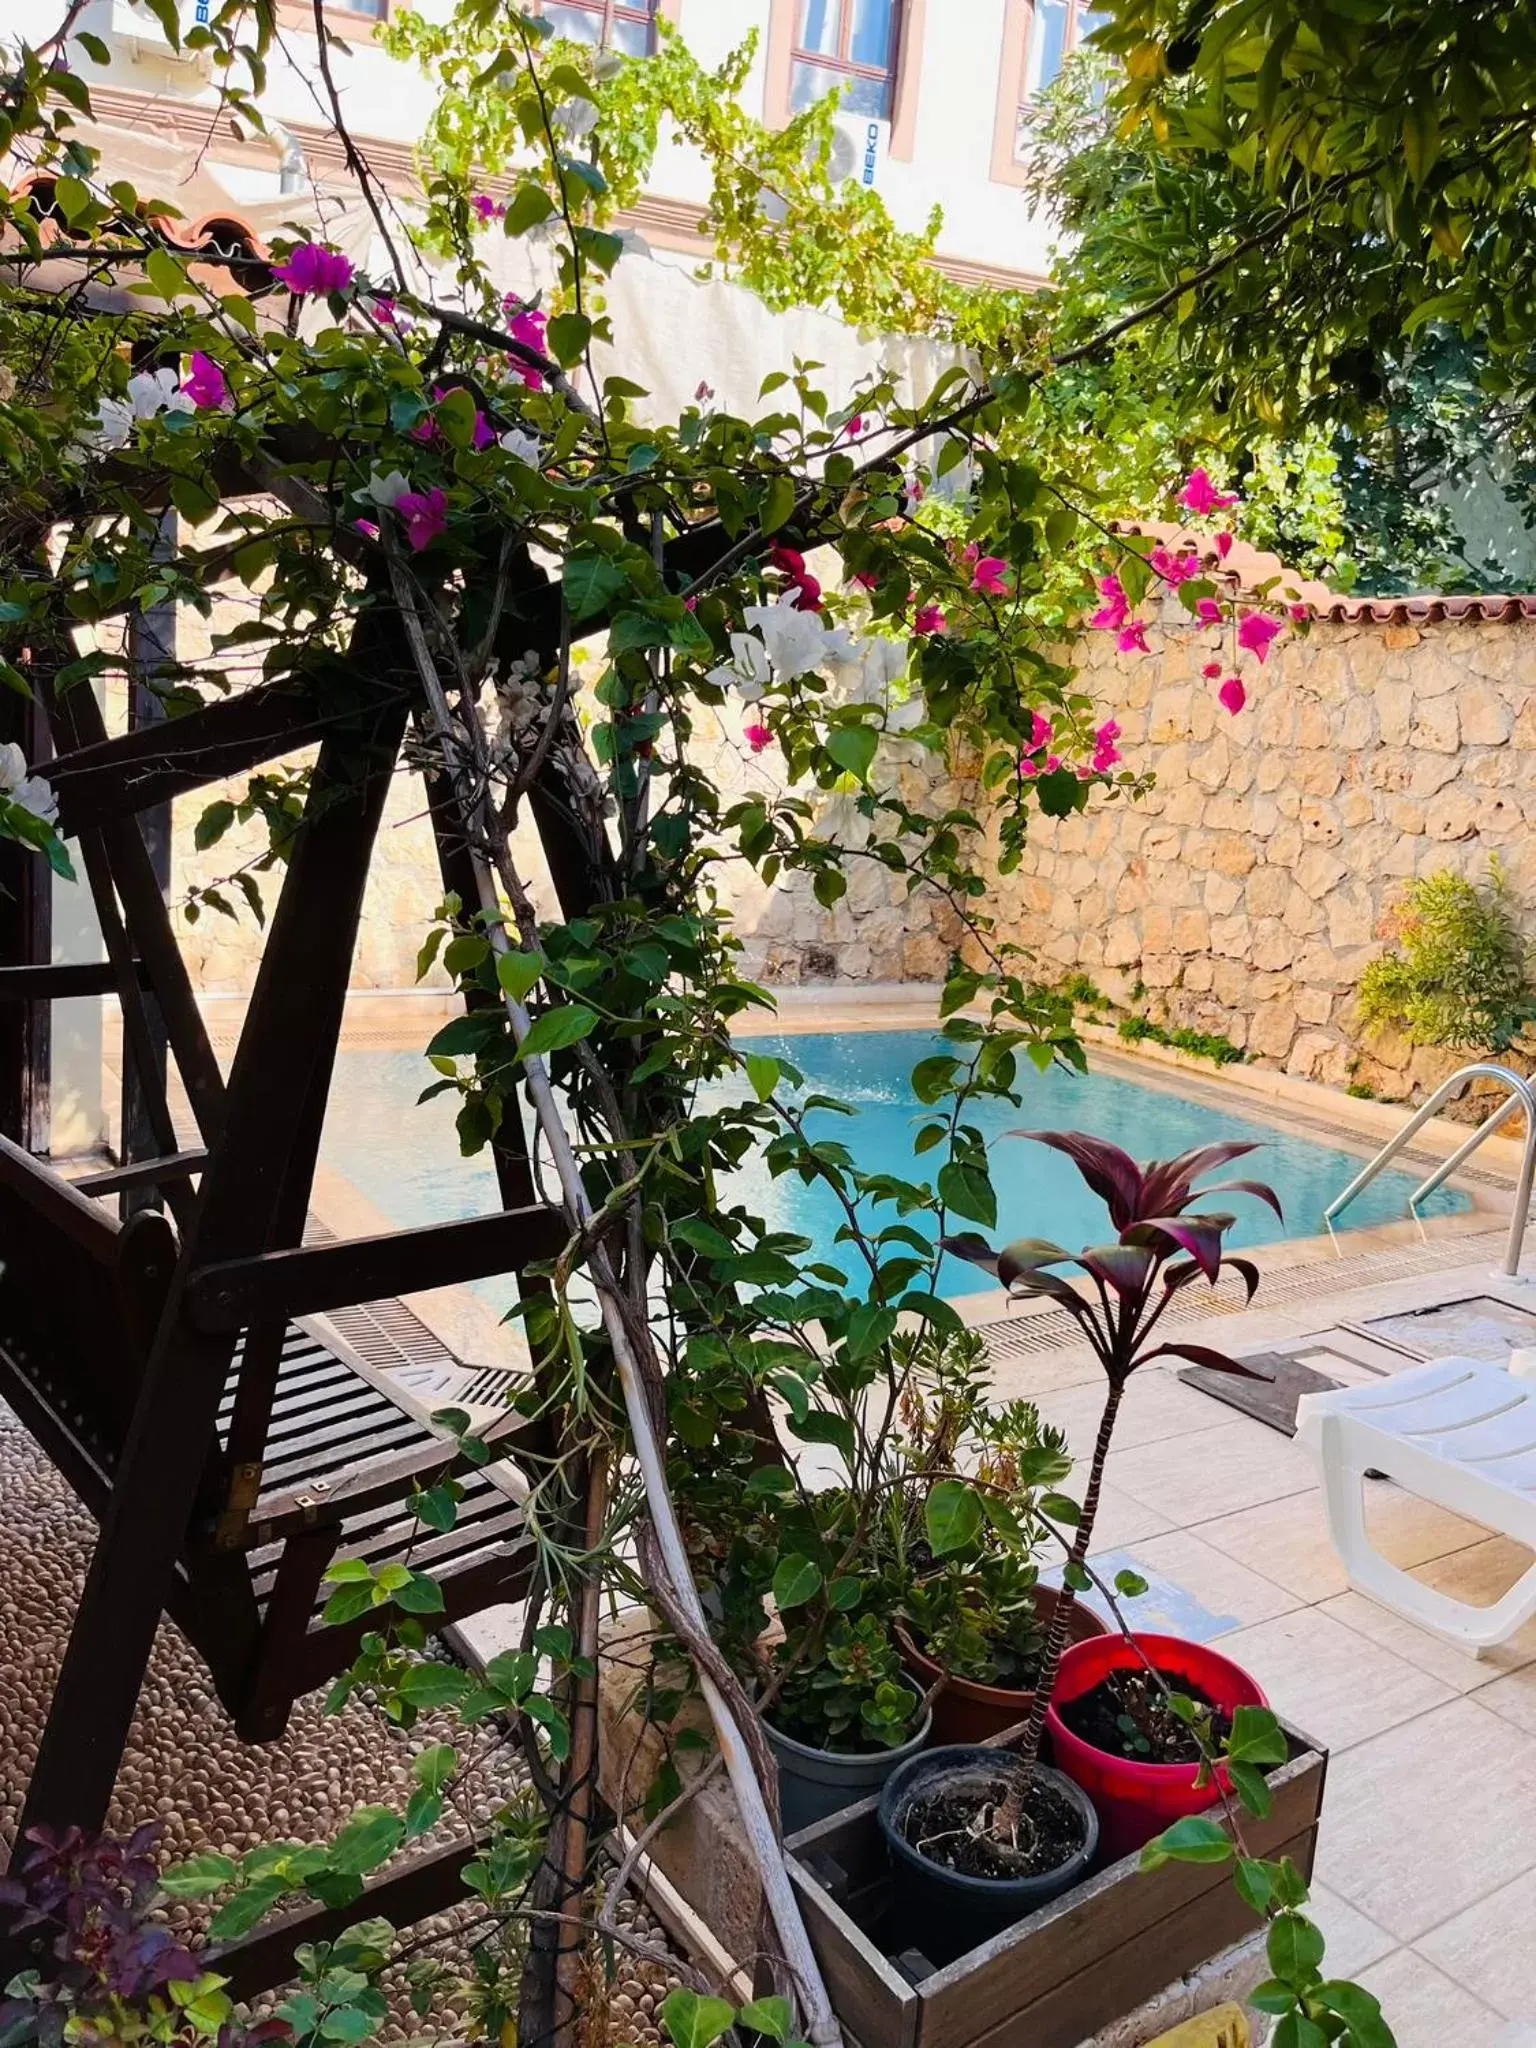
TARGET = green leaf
x,y
553,1722
853,747
566,1025
435,1766
420,1595
528,205
1295,1947
247,1908
763,1073
1254,1885
434,1685
797,1580
693,2021
591,583
770,2016
198,1876
569,334
165,274
1194,1839
1297,2031
1421,139
370,1838
704,1237
1360,2010
1249,1782
952,1515
967,1190
778,503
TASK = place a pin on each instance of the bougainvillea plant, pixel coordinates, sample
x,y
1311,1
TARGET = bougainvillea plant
x,y
388,474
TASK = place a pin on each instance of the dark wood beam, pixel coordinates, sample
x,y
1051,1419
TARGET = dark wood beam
x,y
280,1285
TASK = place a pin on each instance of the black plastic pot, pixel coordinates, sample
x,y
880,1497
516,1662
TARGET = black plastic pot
x,y
816,1782
943,1912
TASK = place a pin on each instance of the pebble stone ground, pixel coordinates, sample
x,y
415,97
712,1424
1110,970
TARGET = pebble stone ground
x,y
184,1765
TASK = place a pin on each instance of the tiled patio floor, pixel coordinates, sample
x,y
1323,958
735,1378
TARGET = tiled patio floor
x,y
1426,1868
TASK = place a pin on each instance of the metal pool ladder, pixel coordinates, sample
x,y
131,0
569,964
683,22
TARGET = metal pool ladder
x,y
1520,1096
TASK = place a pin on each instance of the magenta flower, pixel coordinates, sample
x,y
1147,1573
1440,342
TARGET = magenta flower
x,y
527,326
990,576
705,392
366,528
314,271
757,737
1256,633
1174,569
1208,612
690,604
790,560
1052,765
1040,730
807,593
383,309
207,387
1115,610
1133,638
1299,614
930,619
1232,695
425,514
484,205
862,580
1026,766
1223,545
1201,496
1211,671
485,433
1105,752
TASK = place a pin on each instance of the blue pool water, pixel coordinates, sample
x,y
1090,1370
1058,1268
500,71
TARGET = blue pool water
x,y
405,1157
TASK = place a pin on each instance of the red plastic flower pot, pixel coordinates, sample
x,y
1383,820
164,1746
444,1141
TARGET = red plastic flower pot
x,y
1136,1801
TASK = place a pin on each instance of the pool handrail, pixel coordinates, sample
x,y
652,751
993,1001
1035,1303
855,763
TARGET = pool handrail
x,y
1520,1096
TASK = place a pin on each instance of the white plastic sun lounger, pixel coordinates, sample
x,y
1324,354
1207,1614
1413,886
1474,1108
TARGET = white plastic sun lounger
x,y
1458,1431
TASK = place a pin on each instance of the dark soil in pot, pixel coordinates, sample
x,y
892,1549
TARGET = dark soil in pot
x,y
1125,1714
952,1886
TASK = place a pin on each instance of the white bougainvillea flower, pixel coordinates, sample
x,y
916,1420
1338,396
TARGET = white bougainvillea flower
x,y
748,671
523,446
29,792
386,491
150,393
798,642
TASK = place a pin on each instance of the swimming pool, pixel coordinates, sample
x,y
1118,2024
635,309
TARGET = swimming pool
x,y
405,1157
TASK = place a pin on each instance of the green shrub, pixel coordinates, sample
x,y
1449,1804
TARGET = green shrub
x,y
1459,973
1205,1045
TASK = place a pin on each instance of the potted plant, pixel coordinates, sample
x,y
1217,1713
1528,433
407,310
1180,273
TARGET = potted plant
x,y
1000,1835
973,1635
842,1719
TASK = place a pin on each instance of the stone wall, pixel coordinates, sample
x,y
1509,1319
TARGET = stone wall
x,y
1245,895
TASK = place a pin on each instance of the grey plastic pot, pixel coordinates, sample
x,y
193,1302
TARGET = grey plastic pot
x,y
944,1912
816,1782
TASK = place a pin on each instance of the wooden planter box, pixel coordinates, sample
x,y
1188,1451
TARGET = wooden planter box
x,y
1054,1979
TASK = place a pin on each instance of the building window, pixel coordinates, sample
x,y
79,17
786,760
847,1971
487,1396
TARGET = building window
x,y
847,43
1057,29
371,10
628,26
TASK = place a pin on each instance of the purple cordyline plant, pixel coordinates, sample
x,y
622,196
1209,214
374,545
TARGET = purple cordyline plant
x,y
1164,1244
103,1967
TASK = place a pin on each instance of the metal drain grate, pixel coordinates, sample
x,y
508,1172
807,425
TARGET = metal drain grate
x,y
1056,1329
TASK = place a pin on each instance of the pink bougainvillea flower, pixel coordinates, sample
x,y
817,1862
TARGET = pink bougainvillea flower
x,y
1201,496
990,576
314,271
1232,695
425,514
1105,752
1256,632
207,386
485,433
425,429
916,490
757,737
1223,545
790,560
690,604
1052,765
705,392
1040,730
807,591
1174,569
487,208
862,580
1026,766
1299,614
930,619
1208,612
526,324
1115,610
1133,638
366,528
1211,671
382,307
